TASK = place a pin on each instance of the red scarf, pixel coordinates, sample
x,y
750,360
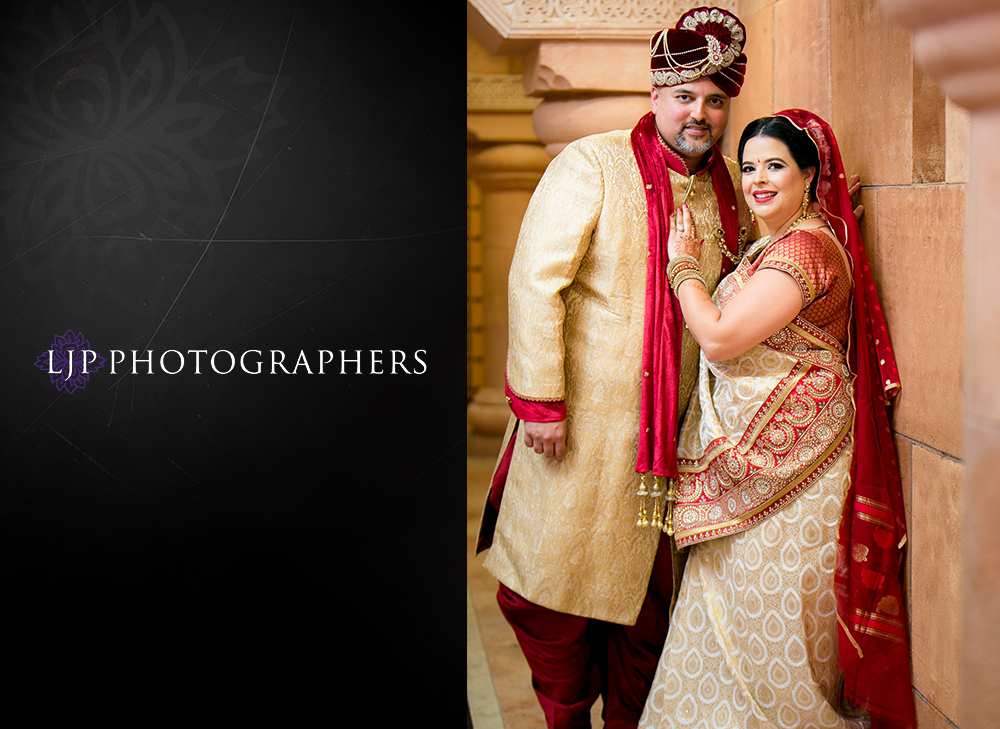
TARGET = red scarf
x,y
874,648
661,345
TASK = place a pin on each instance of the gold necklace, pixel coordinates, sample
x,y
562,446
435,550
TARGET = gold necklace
x,y
720,234
720,240
801,219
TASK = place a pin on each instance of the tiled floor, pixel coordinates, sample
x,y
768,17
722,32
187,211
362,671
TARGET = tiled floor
x,y
511,679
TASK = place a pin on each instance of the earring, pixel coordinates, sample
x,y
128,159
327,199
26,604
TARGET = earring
x,y
753,220
805,200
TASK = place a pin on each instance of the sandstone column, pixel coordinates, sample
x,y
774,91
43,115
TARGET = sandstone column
x,y
557,122
507,175
587,87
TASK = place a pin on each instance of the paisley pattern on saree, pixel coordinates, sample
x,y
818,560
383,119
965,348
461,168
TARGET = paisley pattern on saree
x,y
748,469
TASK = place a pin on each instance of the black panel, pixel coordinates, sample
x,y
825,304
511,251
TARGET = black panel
x,y
235,177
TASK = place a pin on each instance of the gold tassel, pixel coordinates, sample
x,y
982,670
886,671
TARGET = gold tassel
x,y
668,525
657,521
642,494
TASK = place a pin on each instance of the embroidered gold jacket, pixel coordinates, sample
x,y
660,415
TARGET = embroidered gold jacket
x,y
566,536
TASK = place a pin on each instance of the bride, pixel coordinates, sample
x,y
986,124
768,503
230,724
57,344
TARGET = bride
x,y
786,590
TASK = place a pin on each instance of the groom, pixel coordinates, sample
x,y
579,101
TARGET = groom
x,y
599,371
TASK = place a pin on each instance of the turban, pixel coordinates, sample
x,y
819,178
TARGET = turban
x,y
707,43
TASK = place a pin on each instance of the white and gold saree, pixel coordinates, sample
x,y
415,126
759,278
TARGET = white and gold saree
x,y
764,459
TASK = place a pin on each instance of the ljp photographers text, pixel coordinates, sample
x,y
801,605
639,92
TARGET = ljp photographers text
x,y
70,362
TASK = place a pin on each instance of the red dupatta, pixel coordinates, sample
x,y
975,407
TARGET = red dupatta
x,y
661,346
873,642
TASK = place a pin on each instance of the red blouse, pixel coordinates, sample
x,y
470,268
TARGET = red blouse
x,y
816,261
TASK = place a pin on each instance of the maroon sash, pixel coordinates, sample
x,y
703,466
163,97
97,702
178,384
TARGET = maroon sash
x,y
661,345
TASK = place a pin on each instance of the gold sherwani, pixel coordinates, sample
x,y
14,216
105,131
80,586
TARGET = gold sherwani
x,y
565,536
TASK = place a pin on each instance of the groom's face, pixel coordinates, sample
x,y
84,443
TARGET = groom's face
x,y
691,117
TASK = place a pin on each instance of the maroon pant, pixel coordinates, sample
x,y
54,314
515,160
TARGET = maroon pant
x,y
574,660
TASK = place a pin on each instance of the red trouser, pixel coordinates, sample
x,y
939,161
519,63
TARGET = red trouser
x,y
574,659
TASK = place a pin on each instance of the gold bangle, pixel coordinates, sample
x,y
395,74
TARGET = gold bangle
x,y
687,275
679,264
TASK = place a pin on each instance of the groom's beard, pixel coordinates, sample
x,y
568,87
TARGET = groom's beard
x,y
695,148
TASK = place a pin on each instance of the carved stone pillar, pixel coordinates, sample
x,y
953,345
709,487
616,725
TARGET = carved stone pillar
x,y
956,42
507,175
557,122
587,87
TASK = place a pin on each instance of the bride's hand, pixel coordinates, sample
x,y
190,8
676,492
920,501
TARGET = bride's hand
x,y
853,189
683,239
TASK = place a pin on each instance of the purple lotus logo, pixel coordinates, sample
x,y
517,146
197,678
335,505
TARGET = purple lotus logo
x,y
70,362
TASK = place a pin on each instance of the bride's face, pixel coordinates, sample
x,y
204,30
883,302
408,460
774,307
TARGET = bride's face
x,y
773,184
